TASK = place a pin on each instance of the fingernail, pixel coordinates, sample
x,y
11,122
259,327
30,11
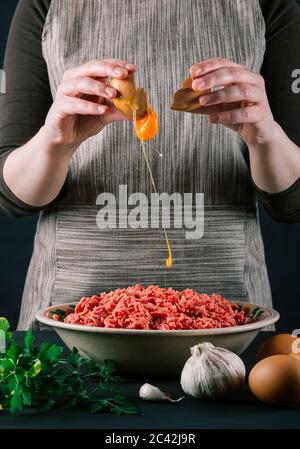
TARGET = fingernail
x,y
130,66
109,91
101,108
200,82
195,72
204,99
119,71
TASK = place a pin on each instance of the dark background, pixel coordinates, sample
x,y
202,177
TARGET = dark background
x,y
282,243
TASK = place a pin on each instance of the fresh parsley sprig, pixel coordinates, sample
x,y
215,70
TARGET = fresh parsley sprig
x,y
41,377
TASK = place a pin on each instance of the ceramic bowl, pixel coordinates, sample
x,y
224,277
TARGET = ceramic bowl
x,y
153,352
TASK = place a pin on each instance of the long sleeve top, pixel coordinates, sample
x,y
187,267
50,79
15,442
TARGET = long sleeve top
x,y
24,107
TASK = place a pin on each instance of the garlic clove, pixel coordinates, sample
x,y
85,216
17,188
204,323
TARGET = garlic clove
x,y
149,392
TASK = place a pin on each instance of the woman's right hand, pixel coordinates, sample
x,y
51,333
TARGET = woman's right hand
x,y
36,171
82,105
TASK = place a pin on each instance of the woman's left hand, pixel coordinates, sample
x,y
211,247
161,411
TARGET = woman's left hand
x,y
241,104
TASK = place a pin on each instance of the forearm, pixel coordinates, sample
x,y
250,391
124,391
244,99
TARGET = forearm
x,y
36,172
275,164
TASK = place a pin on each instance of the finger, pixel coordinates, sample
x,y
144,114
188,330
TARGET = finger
x,y
128,65
87,86
228,75
114,116
236,93
210,65
247,114
74,106
208,110
102,69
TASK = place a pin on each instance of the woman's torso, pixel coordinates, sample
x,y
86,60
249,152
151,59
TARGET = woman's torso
x,y
72,256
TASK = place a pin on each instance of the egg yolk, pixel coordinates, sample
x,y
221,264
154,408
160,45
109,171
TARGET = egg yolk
x,y
169,260
146,127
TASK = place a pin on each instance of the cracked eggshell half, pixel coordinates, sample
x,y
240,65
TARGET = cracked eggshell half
x,y
129,97
186,99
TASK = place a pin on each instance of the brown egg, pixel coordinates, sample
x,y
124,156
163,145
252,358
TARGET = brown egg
x,y
276,380
278,344
130,97
186,99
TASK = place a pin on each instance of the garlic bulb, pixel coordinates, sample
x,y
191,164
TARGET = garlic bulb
x,y
151,393
212,372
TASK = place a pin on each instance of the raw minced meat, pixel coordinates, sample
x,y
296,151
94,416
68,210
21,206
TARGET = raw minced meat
x,y
156,308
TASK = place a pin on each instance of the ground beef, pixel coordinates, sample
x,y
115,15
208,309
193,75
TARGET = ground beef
x,y
156,308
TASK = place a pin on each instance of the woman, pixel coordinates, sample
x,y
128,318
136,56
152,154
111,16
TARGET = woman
x,y
61,145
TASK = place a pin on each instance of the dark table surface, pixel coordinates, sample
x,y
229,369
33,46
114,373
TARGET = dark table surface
x,y
239,410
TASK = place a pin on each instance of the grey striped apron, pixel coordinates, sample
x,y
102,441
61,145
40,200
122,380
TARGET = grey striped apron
x,y
72,257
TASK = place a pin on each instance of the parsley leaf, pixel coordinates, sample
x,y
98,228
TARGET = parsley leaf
x,y
40,377
28,341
